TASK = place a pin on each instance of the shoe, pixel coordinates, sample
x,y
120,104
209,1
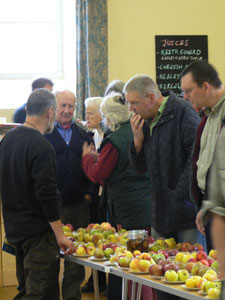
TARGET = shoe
x,y
88,288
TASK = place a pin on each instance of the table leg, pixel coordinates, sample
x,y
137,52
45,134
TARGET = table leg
x,y
95,282
124,288
139,291
133,290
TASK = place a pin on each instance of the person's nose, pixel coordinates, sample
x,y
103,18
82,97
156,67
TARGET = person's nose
x,y
131,108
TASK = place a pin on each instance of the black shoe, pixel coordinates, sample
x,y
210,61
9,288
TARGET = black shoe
x,y
88,288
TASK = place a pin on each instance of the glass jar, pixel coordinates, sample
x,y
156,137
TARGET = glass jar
x,y
137,240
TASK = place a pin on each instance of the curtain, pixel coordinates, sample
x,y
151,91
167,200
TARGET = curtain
x,y
92,51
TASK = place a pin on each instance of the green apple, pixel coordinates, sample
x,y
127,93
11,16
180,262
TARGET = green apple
x,y
171,275
124,262
182,275
108,252
214,293
99,253
91,250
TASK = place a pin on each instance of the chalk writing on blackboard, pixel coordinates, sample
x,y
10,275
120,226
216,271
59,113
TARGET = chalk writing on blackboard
x,y
173,53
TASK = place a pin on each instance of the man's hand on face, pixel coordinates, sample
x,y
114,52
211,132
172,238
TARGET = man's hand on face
x,y
137,123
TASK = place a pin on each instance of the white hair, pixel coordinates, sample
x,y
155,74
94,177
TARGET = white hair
x,y
143,84
94,102
115,110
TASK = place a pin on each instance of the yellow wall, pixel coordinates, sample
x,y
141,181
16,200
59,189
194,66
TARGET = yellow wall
x,y
133,24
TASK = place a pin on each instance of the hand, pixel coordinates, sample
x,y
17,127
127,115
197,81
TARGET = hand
x,y
88,197
137,123
199,223
65,244
90,149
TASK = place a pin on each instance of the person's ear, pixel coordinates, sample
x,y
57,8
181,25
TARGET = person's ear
x,y
51,112
151,98
206,86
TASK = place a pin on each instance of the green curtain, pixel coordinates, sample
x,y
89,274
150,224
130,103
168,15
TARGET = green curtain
x,y
92,51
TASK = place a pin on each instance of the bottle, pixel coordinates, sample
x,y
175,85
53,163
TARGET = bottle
x,y
137,240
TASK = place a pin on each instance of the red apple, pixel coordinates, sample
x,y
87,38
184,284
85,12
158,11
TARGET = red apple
x,y
171,267
151,239
199,246
201,255
205,262
164,252
189,266
178,246
192,260
156,270
172,252
186,247
145,256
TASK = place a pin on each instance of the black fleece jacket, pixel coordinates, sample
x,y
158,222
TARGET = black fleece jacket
x,y
166,155
27,184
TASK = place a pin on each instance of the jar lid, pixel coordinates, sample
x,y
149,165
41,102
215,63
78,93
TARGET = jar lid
x,y
134,234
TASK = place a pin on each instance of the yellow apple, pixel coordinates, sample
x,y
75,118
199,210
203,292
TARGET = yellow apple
x,y
190,283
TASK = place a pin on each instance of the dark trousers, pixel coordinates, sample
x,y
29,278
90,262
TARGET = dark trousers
x,y
77,214
37,268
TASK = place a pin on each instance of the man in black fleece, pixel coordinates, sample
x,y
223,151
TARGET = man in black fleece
x,y
29,200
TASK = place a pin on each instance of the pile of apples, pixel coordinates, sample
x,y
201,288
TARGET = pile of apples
x,y
98,240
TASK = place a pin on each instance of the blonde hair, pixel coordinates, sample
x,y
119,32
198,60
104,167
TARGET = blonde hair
x,y
115,110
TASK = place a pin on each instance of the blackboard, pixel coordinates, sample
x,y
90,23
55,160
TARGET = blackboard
x,y
173,53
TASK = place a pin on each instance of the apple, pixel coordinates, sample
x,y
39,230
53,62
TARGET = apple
x,y
203,270
70,226
112,238
173,267
66,228
151,239
213,254
189,266
186,258
99,253
210,261
87,237
165,262
190,283
179,256
186,247
128,254
120,249
171,275
145,255
156,270
164,252
91,250
199,246
210,275
215,265
81,229
144,265
124,262
192,260
199,281
178,246
183,275
214,293
172,252
108,252
81,250
105,225
209,285
180,265
157,257
194,248
201,255
113,259
134,265
205,262
136,253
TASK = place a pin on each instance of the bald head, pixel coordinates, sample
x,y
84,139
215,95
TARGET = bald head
x,y
65,106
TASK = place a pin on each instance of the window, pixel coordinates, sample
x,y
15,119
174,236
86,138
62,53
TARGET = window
x,y
37,39
30,33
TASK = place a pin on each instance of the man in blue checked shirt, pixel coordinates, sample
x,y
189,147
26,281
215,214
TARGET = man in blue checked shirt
x,y
76,190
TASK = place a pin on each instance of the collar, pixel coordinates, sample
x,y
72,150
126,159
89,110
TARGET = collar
x,y
58,125
216,107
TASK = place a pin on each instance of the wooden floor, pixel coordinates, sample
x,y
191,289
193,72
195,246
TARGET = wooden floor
x,y
7,293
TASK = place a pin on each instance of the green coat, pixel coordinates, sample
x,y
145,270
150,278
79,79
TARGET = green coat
x,y
128,192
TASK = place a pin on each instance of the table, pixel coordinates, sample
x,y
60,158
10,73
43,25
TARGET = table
x,y
174,289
